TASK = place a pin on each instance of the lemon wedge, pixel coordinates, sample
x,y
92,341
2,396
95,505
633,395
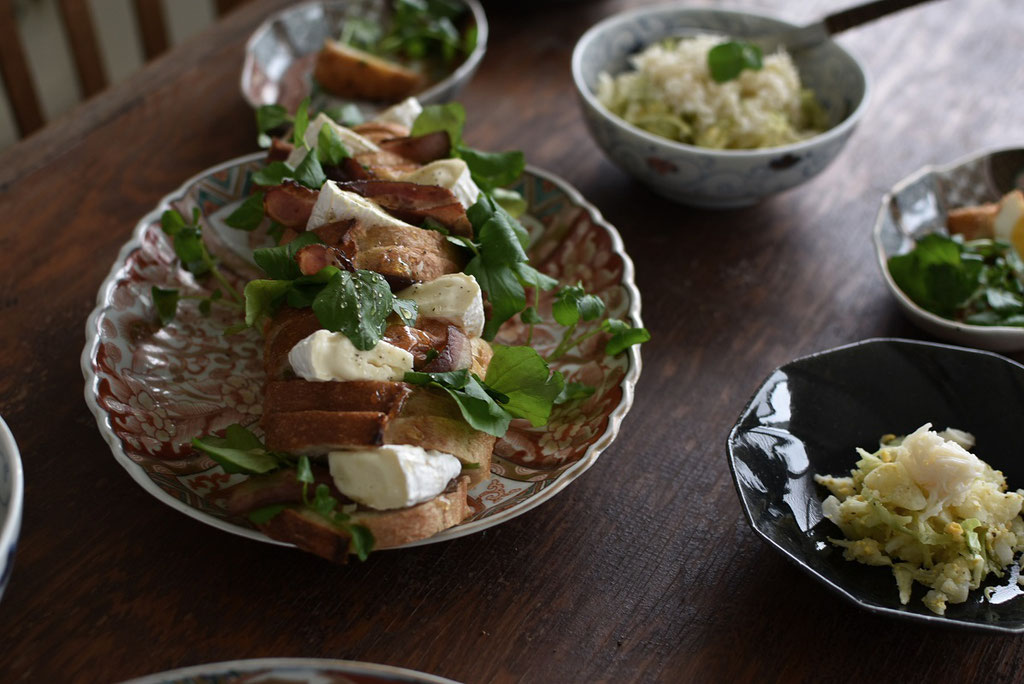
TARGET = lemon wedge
x,y
1009,222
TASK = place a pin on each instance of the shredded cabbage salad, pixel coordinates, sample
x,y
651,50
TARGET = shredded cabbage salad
x,y
929,509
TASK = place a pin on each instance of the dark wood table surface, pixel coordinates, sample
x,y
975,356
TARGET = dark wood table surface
x,y
644,568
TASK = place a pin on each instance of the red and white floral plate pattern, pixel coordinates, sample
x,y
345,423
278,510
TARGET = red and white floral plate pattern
x,y
152,389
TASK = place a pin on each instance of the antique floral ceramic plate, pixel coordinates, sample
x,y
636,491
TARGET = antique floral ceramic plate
x,y
11,495
153,389
293,671
918,205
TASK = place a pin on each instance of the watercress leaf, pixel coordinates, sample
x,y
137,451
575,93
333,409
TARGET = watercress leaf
x,y
530,316
934,275
309,172
323,503
269,117
171,222
504,291
625,339
524,377
357,305
262,299
590,307
614,326
478,408
406,309
492,169
531,277
727,60
239,451
564,311
449,117
166,303
303,470
361,541
205,306
189,248
329,147
574,391
448,379
249,215
301,124
511,201
273,174
261,516
279,262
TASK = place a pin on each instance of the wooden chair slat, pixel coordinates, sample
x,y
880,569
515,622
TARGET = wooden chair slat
x,y
82,38
152,26
21,92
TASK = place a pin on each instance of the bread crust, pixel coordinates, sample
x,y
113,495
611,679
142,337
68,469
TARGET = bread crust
x,y
349,72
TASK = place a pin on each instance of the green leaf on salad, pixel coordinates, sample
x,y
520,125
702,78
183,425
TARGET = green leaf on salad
x,y
239,451
171,222
521,375
477,406
263,298
492,170
249,215
273,174
261,516
357,305
935,275
279,262
347,115
510,200
623,336
309,172
727,60
574,391
361,541
301,124
270,117
406,309
573,303
166,303
330,149
449,117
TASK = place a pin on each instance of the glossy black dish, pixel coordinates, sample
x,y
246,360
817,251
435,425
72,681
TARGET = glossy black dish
x,y
808,417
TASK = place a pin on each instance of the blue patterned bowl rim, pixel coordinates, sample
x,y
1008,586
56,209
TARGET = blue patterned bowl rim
x,y
12,518
600,30
463,71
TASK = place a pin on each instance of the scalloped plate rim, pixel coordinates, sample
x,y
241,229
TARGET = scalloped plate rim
x,y
139,474
333,665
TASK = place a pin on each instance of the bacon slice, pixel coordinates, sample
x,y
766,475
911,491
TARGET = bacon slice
x,y
279,150
413,202
385,164
280,486
313,258
421,149
290,204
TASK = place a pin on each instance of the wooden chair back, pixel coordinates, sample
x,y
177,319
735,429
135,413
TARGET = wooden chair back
x,y
81,33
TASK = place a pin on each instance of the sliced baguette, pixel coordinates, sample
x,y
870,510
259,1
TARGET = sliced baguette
x,y
349,72
315,534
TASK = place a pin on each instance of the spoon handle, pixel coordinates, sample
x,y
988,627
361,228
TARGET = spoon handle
x,y
861,14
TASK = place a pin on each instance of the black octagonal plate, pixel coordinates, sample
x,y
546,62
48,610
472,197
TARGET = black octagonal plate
x,y
810,415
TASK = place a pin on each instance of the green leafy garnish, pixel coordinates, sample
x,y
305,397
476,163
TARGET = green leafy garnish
x,y
239,451
261,516
727,60
309,172
166,303
407,310
574,391
268,119
623,336
573,303
301,124
279,262
418,30
249,215
478,407
347,115
329,147
357,305
521,375
980,282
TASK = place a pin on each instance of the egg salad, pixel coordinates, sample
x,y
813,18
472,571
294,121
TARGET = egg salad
x,y
931,510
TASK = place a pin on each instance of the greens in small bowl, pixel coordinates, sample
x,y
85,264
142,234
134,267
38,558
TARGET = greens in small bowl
x,y
964,285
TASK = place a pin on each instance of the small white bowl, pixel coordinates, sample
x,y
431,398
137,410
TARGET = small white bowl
x,y
696,175
279,54
918,204
11,494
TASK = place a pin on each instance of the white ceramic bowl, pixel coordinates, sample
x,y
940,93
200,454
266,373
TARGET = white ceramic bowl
x,y
11,494
279,54
700,176
917,205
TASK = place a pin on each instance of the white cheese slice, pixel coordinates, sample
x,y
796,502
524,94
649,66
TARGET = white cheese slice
x,y
334,204
325,356
447,173
455,298
354,143
393,476
404,113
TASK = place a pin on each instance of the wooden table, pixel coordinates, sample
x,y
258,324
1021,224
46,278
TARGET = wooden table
x,y
643,569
